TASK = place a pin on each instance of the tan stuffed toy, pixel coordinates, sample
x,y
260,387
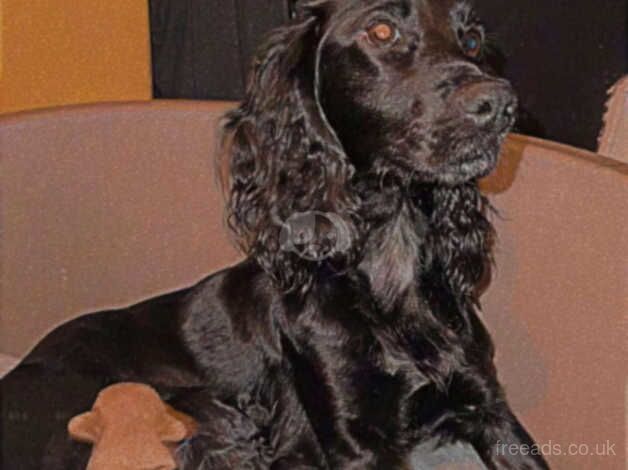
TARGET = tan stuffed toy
x,y
131,429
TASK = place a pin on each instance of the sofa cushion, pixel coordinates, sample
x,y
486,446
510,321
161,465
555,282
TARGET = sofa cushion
x,y
104,205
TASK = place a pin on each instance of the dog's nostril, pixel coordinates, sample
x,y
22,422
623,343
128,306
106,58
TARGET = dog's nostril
x,y
510,109
482,108
485,108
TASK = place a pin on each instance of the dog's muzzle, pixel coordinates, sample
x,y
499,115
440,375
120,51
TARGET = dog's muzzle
x,y
490,104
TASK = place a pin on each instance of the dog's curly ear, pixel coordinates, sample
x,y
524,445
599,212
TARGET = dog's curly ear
x,y
461,238
284,159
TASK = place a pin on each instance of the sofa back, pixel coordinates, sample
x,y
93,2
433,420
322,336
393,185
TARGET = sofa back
x,y
614,136
103,205
558,300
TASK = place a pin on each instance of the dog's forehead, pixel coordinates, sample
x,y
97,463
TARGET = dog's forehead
x,y
430,11
343,5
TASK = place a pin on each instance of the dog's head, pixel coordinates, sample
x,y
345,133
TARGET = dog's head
x,y
358,87
403,84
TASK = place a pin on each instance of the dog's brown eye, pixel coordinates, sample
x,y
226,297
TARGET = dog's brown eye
x,y
382,33
471,42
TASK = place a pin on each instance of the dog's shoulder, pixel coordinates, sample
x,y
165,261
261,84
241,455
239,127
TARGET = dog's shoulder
x,y
237,299
229,324
128,343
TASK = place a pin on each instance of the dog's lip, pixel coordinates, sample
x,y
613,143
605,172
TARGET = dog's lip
x,y
477,167
478,164
506,128
488,155
474,160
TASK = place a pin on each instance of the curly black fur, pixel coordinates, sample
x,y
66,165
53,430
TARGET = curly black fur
x,y
351,333
284,160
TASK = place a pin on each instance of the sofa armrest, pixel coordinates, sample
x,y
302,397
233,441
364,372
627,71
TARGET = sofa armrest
x,y
6,364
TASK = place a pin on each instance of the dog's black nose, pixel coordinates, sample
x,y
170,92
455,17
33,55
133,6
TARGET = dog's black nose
x,y
489,103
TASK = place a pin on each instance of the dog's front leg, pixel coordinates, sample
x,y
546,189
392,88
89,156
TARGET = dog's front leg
x,y
332,404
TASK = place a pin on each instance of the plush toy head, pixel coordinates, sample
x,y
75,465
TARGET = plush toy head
x,y
131,429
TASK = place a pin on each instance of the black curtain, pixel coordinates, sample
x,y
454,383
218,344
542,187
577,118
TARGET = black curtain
x,y
561,55
201,49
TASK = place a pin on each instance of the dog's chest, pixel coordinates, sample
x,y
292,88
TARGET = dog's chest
x,y
397,363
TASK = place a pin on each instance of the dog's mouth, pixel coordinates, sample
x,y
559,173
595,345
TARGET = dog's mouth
x,y
506,128
451,150
478,167
469,157
467,170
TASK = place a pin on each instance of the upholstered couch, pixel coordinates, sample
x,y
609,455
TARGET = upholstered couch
x,y
104,205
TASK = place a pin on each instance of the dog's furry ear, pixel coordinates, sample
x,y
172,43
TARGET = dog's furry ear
x,y
285,161
461,239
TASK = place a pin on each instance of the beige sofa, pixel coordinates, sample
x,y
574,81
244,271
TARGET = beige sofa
x,y
104,205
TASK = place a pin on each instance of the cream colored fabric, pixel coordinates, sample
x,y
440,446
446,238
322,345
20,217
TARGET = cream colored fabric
x,y
104,205
107,205
614,137
558,299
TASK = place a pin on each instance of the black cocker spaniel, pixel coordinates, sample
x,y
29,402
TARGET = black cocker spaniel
x,y
350,334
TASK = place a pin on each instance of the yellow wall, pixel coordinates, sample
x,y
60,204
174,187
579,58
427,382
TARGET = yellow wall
x,y
55,52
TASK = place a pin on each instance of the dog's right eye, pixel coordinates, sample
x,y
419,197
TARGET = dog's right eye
x,y
382,33
471,42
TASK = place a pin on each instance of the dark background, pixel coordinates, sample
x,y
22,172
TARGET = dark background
x,y
561,55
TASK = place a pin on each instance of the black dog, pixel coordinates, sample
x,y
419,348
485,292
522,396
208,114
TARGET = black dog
x,y
350,334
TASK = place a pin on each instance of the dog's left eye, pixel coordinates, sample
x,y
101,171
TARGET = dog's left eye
x,y
383,33
471,42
